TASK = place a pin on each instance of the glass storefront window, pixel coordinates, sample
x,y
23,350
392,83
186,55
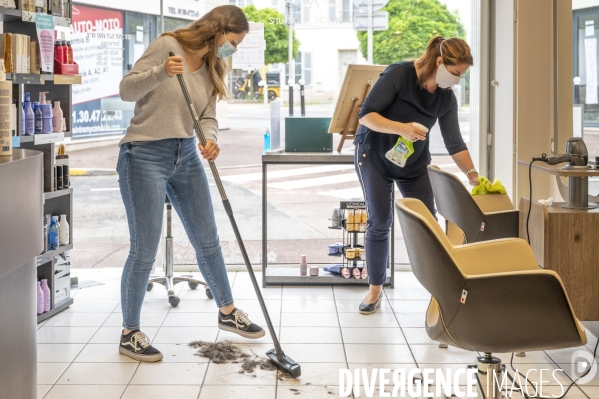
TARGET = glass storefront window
x,y
106,45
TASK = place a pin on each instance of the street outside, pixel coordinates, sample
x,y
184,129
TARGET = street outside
x,y
301,199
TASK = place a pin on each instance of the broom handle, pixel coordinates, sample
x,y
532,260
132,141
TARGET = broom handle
x,y
229,210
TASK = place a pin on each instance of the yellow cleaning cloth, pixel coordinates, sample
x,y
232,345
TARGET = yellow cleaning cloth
x,y
486,187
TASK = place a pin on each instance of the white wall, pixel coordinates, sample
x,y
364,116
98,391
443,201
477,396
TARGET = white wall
x,y
503,131
325,42
578,4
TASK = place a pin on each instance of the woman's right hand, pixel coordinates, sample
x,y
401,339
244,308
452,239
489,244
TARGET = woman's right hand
x,y
174,65
411,132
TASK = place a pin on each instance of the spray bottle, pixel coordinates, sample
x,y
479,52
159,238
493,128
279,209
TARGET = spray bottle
x,y
402,150
267,140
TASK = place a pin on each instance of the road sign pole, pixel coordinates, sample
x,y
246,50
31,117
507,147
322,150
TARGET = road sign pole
x,y
370,23
291,79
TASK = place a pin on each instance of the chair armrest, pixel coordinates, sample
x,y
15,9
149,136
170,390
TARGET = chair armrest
x,y
516,311
495,256
502,224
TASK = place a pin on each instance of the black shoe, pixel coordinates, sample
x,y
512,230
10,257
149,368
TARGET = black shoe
x,y
237,322
370,308
137,346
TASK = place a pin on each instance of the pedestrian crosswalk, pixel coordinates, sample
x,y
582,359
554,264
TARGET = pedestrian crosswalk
x,y
333,181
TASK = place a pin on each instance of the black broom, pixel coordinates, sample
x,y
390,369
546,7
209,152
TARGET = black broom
x,y
277,356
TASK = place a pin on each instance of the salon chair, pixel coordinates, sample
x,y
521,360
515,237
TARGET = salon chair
x,y
479,217
489,297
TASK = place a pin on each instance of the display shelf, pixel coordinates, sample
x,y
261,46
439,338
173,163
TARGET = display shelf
x,y
55,139
290,276
26,78
47,256
10,14
41,79
65,79
56,309
58,193
48,138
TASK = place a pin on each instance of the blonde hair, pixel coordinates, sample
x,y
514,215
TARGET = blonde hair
x,y
454,51
202,33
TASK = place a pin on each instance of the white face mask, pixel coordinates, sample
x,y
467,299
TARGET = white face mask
x,y
445,79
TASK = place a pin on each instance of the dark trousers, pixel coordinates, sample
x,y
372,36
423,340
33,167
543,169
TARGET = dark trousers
x,y
378,194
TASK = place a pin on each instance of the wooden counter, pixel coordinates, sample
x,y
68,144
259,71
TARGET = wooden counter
x,y
567,241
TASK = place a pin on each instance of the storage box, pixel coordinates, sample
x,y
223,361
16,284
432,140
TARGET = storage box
x,y
308,134
62,278
65,69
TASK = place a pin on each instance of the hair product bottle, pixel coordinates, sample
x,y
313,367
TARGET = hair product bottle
x,y
46,291
5,114
56,117
64,230
69,53
29,116
53,237
304,266
38,117
40,298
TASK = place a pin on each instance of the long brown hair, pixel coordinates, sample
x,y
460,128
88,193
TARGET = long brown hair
x,y
455,51
202,33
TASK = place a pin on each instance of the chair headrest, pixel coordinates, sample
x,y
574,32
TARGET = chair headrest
x,y
417,209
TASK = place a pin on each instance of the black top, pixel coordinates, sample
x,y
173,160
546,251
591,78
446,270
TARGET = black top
x,y
398,96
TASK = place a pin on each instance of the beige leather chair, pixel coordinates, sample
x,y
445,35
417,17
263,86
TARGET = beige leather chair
x,y
479,217
488,296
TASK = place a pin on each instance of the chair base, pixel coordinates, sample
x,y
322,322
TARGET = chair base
x,y
490,366
168,280
169,283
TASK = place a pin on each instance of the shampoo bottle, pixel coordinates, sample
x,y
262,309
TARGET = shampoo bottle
x,y
58,52
40,298
46,291
53,237
29,116
23,129
57,118
38,117
64,230
69,53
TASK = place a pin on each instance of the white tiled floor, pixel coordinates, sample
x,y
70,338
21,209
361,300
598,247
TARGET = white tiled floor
x,y
319,327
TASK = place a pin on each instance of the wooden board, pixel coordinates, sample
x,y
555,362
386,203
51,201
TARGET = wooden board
x,y
354,85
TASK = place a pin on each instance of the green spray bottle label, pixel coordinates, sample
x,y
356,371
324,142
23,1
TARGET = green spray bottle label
x,y
402,150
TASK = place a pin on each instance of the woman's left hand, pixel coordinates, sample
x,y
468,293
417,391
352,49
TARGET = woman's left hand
x,y
473,179
211,151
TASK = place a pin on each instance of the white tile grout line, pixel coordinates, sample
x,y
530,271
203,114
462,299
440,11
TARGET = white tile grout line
x,y
340,332
215,340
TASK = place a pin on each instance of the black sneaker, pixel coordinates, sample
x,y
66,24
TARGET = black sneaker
x,y
237,322
137,346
